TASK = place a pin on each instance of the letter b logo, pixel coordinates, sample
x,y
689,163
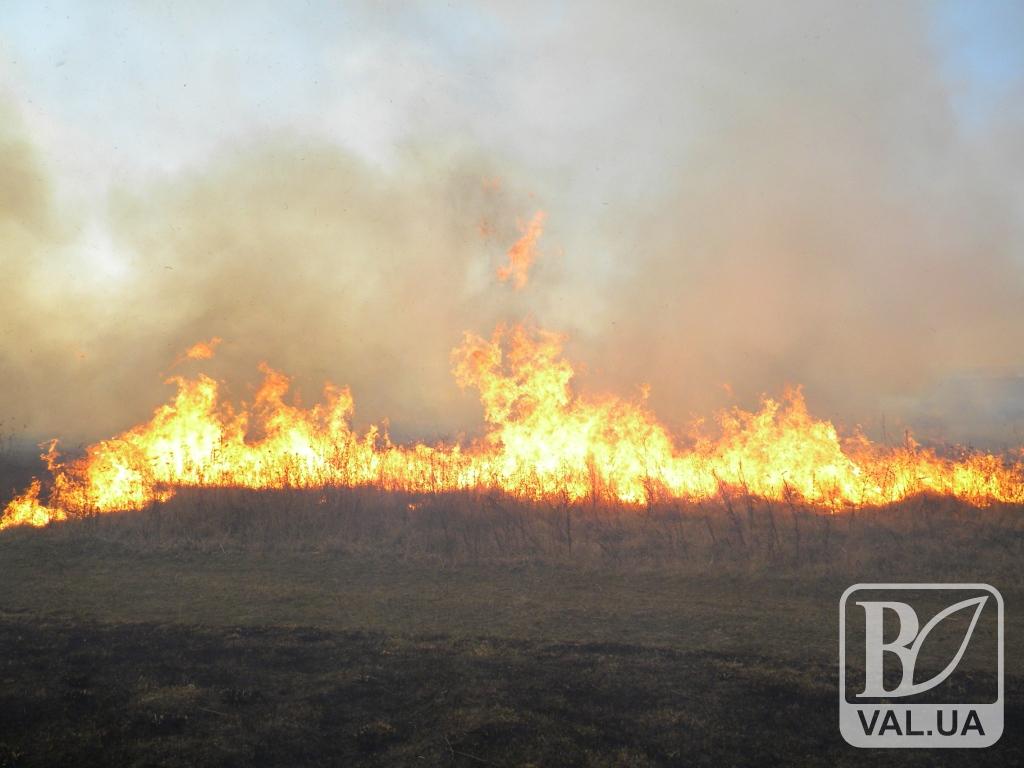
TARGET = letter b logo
x,y
907,645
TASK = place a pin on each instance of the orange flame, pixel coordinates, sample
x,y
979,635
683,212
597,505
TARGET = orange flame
x,y
542,440
203,350
522,255
26,509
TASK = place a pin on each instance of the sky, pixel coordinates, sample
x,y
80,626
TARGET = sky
x,y
737,199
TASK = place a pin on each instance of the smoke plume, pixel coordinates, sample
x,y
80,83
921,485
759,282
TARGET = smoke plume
x,y
737,198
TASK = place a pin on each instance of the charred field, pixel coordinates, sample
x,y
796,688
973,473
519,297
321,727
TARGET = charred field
x,y
360,627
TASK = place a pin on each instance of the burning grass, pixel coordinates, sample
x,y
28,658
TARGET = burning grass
x,y
543,443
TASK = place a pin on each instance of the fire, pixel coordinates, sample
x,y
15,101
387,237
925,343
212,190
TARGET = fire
x,y
203,350
522,255
27,510
543,439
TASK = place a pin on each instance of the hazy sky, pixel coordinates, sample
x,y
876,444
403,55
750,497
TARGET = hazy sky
x,y
815,193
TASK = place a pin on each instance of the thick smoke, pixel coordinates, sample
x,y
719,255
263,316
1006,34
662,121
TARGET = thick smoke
x,y
834,223
734,195
298,255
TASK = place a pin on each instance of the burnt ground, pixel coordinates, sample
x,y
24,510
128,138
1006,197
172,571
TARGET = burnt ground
x,y
148,694
112,656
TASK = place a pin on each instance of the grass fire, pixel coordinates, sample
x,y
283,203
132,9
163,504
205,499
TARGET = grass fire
x,y
543,440
511,384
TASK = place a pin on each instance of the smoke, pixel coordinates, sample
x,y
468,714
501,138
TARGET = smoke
x,y
297,254
30,237
836,226
735,195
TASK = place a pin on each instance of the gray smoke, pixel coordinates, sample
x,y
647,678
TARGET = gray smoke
x,y
735,194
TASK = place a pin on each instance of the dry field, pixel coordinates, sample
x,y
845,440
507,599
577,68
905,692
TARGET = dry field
x,y
344,627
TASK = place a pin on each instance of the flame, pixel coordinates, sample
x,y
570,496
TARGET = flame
x,y
522,255
203,350
543,439
26,509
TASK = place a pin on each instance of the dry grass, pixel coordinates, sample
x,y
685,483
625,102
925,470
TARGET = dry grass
x,y
738,532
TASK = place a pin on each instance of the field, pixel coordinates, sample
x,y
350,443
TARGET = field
x,y
239,628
